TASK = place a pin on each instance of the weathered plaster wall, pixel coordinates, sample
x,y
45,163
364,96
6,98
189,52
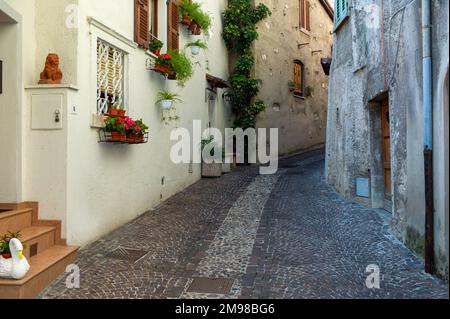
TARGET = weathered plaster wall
x,y
378,50
301,121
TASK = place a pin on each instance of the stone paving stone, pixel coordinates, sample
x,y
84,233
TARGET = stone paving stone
x,y
282,236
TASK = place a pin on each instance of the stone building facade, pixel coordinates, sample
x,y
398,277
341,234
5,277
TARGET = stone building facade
x,y
375,119
291,43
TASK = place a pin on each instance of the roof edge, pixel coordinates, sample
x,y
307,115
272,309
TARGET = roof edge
x,y
328,8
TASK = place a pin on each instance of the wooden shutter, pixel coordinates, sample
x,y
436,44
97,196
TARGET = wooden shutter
x,y
141,22
302,14
341,9
305,22
173,32
307,16
298,78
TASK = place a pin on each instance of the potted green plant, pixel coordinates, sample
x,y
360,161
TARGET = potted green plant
x,y
116,127
196,46
181,66
194,17
4,243
210,169
163,64
113,110
167,99
136,132
200,21
186,9
155,45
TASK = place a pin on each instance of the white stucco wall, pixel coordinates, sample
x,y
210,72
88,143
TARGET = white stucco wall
x,y
95,188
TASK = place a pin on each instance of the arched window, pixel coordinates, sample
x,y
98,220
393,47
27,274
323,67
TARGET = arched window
x,y
299,83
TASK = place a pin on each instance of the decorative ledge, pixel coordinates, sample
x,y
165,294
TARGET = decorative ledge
x,y
216,82
52,86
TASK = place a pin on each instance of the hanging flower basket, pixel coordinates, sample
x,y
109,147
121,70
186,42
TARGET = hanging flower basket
x,y
134,138
162,68
118,137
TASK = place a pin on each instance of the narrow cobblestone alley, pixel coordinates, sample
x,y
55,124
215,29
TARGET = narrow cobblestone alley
x,y
278,236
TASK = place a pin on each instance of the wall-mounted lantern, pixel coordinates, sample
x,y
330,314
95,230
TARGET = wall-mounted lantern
x,y
326,65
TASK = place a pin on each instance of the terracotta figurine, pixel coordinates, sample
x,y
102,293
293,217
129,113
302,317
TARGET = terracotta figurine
x,y
51,74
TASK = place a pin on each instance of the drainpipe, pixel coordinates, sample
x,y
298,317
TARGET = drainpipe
x,y
428,135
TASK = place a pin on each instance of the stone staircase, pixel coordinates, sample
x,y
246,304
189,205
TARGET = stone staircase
x,y
45,250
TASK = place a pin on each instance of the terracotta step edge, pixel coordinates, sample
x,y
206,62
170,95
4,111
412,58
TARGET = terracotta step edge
x,y
43,230
68,250
14,213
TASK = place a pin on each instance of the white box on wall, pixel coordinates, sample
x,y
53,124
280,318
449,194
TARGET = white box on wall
x,y
47,111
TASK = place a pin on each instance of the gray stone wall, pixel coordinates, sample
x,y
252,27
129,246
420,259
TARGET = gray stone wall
x,y
378,53
301,121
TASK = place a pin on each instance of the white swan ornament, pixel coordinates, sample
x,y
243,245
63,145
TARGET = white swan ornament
x,y
17,266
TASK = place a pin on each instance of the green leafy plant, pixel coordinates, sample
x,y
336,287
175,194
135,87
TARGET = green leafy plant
x,y
187,7
181,66
115,124
5,239
155,44
198,43
139,128
164,59
239,33
191,11
202,19
211,142
166,95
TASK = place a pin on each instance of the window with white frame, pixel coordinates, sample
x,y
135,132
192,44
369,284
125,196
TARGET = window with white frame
x,y
341,11
110,76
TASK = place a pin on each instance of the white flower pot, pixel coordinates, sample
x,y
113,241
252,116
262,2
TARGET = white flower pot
x,y
166,104
195,50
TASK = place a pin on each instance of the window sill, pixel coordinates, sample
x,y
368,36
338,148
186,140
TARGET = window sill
x,y
301,97
151,54
305,32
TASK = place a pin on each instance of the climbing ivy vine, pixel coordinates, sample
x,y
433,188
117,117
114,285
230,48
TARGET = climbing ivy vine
x,y
239,34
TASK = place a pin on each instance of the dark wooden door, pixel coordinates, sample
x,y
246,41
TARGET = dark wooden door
x,y
386,136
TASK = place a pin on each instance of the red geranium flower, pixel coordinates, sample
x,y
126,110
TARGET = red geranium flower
x,y
167,56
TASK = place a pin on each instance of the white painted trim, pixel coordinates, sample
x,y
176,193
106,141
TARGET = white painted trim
x,y
6,8
116,40
52,86
99,25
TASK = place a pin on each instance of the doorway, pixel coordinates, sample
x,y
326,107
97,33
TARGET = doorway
x,y
10,105
386,144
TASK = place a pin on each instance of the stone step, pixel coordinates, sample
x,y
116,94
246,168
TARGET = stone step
x,y
37,239
15,220
45,267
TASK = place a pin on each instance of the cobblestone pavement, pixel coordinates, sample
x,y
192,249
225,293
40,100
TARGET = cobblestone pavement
x,y
282,236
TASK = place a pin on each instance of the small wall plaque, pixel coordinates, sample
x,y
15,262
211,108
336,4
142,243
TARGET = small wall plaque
x,y
363,187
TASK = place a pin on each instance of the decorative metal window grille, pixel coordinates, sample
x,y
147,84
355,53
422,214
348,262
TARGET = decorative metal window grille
x,y
110,76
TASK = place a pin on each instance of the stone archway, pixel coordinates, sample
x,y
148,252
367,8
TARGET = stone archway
x,y
10,105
